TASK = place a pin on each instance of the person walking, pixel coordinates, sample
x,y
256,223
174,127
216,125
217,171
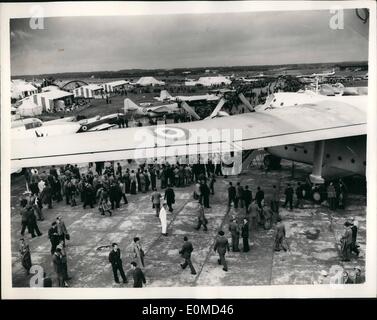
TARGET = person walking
x,y
116,263
58,267
62,230
156,201
248,198
245,235
202,220
259,197
25,255
169,197
288,197
138,252
64,262
212,183
354,229
53,235
32,223
299,196
239,196
279,236
346,242
235,233
275,198
331,196
185,252
222,246
205,192
163,219
138,275
231,195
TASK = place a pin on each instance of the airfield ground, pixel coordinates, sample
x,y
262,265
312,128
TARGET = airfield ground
x,y
89,267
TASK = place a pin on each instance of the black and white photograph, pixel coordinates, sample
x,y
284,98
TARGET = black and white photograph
x,y
167,150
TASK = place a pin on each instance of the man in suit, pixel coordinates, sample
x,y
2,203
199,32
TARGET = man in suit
x,y
247,197
169,197
138,275
354,229
239,196
259,197
58,266
245,235
231,195
53,235
202,220
235,232
156,201
116,263
346,242
222,246
279,236
185,252
288,196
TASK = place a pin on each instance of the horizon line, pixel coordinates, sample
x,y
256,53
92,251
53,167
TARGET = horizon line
x,y
186,68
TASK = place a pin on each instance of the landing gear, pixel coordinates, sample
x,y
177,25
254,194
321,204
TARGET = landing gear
x,y
319,193
271,162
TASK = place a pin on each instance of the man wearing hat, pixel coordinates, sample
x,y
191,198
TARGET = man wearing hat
x,y
346,242
358,278
354,229
222,246
116,263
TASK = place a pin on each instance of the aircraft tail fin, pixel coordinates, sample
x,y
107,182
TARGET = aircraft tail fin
x,y
165,95
190,110
129,105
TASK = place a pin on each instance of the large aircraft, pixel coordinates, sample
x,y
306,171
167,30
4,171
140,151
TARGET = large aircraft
x,y
329,134
165,96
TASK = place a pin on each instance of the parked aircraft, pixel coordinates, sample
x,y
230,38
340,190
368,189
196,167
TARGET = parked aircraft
x,y
165,96
34,127
330,134
318,75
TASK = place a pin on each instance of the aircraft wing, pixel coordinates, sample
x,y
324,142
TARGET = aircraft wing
x,y
303,123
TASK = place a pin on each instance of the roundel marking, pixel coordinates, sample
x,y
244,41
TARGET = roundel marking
x,y
172,133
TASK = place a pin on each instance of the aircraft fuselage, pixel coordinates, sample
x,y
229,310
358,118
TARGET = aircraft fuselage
x,y
342,156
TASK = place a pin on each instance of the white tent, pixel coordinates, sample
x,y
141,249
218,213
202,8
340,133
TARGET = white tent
x,y
29,109
111,86
209,81
21,89
47,99
149,81
89,91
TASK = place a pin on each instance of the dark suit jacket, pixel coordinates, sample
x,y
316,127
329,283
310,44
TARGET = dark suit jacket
x,y
139,278
186,250
247,196
231,192
221,245
114,257
245,230
169,195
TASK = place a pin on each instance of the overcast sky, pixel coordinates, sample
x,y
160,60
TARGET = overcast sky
x,y
173,41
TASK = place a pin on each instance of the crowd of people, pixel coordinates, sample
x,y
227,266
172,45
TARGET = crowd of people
x,y
106,187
